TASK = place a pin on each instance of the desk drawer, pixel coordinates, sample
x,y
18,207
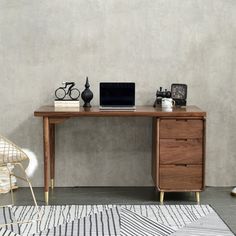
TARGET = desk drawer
x,y
181,128
177,177
181,151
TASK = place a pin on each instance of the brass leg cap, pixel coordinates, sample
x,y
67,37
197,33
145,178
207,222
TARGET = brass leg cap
x,y
198,197
52,183
161,197
46,197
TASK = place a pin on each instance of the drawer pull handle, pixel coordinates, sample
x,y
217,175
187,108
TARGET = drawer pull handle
x,y
185,165
181,139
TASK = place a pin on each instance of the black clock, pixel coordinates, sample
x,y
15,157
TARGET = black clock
x,y
179,94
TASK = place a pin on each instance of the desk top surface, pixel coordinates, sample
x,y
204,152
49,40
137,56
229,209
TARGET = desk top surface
x,y
148,111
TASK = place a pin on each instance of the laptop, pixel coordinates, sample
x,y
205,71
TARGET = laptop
x,y
117,96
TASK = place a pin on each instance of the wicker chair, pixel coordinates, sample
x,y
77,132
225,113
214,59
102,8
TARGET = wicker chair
x,y
11,154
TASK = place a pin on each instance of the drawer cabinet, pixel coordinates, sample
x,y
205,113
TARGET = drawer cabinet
x,y
181,128
179,154
181,177
181,151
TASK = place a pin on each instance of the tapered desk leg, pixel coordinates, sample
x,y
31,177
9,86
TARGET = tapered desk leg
x,y
52,154
46,142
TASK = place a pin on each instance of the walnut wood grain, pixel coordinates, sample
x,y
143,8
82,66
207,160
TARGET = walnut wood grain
x,y
181,151
181,128
52,152
46,139
182,178
149,111
57,120
204,152
155,150
180,123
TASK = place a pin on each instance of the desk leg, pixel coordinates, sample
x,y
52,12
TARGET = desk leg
x,y
46,142
52,154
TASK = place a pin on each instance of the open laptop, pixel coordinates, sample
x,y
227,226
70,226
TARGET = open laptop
x,y
117,96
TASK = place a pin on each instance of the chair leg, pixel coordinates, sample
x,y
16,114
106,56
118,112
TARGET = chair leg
x,y
10,175
31,189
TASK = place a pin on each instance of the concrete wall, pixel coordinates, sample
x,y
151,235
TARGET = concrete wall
x,y
153,43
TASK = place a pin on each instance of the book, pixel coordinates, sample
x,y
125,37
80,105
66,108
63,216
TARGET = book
x,y
66,103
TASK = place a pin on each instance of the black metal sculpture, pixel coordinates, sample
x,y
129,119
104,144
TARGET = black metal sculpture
x,y
73,93
87,94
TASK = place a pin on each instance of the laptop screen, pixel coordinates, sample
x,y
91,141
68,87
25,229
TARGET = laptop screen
x,y
117,94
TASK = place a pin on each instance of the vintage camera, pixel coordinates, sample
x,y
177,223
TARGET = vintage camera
x,y
161,94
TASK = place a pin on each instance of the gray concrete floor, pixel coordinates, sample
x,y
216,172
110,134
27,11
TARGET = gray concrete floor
x,y
218,197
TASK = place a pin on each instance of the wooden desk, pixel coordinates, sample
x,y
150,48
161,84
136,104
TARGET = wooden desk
x,y
178,144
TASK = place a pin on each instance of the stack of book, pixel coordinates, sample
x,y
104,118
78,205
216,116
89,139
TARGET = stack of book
x,y
5,181
67,103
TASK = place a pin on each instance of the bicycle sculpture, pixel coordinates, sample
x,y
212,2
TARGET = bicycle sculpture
x,y
68,89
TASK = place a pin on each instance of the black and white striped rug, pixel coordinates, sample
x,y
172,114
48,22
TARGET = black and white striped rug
x,y
127,220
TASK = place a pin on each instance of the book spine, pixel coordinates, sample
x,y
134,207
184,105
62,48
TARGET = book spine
x,y
56,104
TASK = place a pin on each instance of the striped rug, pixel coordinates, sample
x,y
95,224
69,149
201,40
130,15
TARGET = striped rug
x,y
127,220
